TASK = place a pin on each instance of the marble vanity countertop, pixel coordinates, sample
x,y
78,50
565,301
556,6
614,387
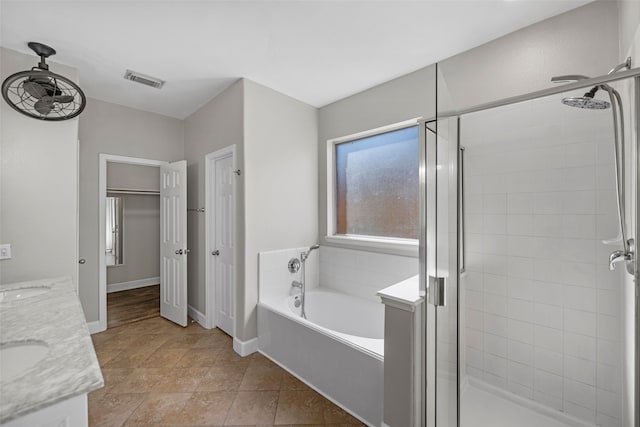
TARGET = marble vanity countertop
x,y
70,368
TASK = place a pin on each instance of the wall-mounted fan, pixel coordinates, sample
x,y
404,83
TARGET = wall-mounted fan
x,y
41,94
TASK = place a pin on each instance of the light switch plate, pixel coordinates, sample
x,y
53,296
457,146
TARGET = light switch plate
x,y
5,251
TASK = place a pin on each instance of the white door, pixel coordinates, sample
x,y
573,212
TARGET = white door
x,y
173,242
223,248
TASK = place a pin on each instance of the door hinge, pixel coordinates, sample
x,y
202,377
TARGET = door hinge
x,y
437,291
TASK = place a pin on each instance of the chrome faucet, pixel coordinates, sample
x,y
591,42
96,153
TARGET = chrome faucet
x,y
297,284
623,255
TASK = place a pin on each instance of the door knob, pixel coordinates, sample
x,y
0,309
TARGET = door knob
x,y
82,261
215,253
179,252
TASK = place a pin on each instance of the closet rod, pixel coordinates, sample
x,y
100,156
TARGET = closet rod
x,y
132,191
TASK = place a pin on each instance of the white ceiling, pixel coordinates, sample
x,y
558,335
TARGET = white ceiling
x,y
314,51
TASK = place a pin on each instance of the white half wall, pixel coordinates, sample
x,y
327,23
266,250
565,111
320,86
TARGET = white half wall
x,y
38,186
363,274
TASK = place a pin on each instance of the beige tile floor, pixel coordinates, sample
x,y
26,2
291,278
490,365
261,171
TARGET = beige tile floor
x,y
159,374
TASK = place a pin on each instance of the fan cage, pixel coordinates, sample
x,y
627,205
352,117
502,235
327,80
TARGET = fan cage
x,y
20,100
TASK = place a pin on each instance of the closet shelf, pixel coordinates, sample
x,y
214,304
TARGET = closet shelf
x,y
132,191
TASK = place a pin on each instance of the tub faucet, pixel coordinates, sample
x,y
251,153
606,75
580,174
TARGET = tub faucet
x,y
297,284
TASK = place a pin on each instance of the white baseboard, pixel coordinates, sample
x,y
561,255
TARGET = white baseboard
x,y
245,348
198,317
134,284
95,327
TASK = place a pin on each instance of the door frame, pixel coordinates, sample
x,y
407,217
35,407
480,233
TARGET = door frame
x,y
102,223
209,189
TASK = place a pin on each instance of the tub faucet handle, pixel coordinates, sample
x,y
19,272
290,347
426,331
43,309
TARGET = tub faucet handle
x,y
296,284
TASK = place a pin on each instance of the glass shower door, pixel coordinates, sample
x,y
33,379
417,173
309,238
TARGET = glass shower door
x,y
441,271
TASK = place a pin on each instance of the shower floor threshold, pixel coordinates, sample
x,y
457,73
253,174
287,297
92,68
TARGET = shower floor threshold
x,y
480,406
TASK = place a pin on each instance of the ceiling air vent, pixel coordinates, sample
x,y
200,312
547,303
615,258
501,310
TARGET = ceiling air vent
x,y
143,79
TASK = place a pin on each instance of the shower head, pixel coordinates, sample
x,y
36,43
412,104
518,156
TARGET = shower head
x,y
305,255
587,101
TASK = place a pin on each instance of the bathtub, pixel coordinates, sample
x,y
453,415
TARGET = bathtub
x,y
338,350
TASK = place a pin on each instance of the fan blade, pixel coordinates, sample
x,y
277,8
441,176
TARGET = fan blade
x,y
43,106
34,89
64,99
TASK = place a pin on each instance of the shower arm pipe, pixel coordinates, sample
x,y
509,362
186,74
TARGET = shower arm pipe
x,y
554,90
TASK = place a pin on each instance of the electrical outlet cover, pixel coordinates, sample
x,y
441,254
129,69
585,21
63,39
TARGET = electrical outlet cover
x,y
5,251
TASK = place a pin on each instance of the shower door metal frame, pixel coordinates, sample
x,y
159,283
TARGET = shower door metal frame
x,y
636,178
428,401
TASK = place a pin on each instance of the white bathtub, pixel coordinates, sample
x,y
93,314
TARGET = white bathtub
x,y
338,349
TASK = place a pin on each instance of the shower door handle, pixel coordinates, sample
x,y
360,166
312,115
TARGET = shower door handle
x,y
437,292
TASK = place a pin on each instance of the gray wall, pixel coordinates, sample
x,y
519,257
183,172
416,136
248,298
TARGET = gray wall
x,y
280,176
525,61
38,190
141,222
114,129
216,125
629,19
275,139
141,251
133,177
515,64
407,97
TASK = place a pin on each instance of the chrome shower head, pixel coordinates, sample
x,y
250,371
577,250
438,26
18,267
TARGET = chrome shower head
x,y
586,103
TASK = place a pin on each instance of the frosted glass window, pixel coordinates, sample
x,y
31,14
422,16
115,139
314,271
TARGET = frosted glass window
x,y
377,185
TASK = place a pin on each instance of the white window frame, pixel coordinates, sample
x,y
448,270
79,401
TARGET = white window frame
x,y
394,246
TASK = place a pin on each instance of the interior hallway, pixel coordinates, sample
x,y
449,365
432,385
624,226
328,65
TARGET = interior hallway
x,y
159,374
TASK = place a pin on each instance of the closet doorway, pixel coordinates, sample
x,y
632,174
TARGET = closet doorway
x,y
142,240
132,235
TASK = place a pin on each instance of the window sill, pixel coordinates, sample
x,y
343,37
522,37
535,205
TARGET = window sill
x,y
402,247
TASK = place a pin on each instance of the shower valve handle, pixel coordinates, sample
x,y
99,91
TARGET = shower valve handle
x,y
618,256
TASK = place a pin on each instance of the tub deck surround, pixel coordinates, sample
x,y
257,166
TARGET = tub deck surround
x,y
404,295
70,367
344,367
331,313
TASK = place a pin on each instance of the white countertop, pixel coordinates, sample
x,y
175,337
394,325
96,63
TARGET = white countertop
x,y
404,295
69,369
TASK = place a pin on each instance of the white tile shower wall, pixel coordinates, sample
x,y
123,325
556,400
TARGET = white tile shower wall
x,y
274,278
361,273
542,310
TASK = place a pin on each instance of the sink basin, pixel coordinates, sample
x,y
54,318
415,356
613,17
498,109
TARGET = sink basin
x,y
16,358
22,293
